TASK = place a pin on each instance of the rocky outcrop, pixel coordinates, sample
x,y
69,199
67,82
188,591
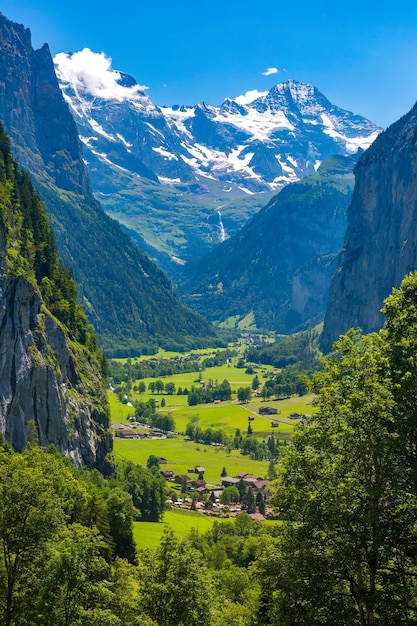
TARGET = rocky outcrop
x,y
381,239
46,378
32,110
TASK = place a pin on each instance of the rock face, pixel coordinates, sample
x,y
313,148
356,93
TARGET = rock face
x,y
127,298
31,107
276,272
41,380
381,239
49,362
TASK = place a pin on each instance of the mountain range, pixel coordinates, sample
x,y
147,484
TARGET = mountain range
x,y
127,298
183,178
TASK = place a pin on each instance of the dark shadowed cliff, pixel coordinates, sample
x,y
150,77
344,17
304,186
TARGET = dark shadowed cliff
x,y
381,239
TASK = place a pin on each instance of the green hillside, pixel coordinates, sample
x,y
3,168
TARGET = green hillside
x,y
276,272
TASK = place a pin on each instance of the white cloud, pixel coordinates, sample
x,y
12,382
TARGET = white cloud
x,y
91,73
250,96
270,70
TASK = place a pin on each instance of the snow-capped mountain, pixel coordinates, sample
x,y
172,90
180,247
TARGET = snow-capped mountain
x,y
256,142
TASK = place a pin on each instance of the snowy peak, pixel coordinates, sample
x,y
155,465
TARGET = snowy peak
x,y
259,141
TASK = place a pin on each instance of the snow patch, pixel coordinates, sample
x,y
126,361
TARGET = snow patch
x,y
123,140
165,153
100,130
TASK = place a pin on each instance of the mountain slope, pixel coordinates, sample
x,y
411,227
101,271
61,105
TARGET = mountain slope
x,y
277,270
199,161
49,363
381,238
128,299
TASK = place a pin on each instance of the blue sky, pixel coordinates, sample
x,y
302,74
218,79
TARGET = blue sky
x,y
361,55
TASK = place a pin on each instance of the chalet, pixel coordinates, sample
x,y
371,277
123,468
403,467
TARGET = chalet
x,y
257,485
274,424
180,478
199,470
251,418
229,481
167,474
162,460
267,410
257,516
127,433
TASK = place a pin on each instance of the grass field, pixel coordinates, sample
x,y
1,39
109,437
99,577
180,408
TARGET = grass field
x,y
182,521
182,455
227,415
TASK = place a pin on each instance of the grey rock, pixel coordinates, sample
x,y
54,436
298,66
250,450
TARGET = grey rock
x,y
42,379
380,245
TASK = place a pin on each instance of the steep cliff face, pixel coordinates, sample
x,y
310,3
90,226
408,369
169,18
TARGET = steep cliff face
x,y
43,131
43,378
50,368
381,239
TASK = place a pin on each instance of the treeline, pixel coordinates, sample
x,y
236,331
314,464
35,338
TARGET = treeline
x,y
261,450
300,351
30,249
131,370
62,531
209,393
147,413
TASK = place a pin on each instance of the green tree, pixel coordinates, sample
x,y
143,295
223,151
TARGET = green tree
x,y
400,336
342,485
244,394
151,386
121,514
248,501
73,588
170,388
141,387
159,386
230,494
30,514
153,461
175,585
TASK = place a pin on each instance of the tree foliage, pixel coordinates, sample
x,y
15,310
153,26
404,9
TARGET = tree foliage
x,y
347,486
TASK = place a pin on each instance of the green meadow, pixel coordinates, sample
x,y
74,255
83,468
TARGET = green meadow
x,y
226,415
182,455
182,521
